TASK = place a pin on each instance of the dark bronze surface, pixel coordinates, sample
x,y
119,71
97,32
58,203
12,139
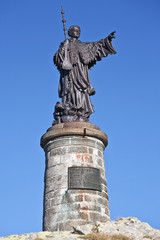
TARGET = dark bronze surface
x,y
73,60
84,178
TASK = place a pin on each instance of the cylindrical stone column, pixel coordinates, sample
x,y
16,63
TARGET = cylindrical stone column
x,y
75,190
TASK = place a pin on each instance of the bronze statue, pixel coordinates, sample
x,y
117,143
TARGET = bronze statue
x,y
73,60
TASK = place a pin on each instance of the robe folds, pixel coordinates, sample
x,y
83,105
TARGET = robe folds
x,y
74,86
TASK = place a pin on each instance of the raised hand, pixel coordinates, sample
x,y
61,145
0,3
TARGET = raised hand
x,y
111,35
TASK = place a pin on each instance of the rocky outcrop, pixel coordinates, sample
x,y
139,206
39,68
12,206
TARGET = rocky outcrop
x,y
122,229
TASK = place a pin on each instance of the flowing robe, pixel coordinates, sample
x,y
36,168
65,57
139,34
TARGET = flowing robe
x,y
74,86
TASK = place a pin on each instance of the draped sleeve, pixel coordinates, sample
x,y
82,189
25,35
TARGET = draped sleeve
x,y
91,52
59,57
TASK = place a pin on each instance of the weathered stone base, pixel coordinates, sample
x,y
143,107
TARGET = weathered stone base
x,y
74,208
67,145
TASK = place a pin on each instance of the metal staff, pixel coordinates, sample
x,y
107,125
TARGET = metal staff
x,y
66,65
64,23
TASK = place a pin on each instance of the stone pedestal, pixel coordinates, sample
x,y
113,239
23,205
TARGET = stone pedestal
x,y
75,190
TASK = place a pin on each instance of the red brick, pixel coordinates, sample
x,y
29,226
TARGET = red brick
x,y
79,198
84,215
85,208
87,198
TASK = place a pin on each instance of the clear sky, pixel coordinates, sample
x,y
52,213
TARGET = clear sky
x,y
127,103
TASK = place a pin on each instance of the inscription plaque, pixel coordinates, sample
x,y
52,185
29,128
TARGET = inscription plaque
x,y
84,178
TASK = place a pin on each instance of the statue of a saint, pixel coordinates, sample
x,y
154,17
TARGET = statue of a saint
x,y
73,60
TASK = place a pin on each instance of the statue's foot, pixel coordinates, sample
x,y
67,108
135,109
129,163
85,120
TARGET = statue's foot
x,y
68,118
82,119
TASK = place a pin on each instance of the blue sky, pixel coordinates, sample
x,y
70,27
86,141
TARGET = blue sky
x,y
126,103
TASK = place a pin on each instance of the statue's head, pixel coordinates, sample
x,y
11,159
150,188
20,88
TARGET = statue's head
x,y
74,31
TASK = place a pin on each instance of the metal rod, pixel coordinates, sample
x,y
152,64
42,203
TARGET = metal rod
x,y
64,23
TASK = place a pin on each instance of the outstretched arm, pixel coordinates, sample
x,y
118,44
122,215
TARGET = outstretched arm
x,y
94,51
108,43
